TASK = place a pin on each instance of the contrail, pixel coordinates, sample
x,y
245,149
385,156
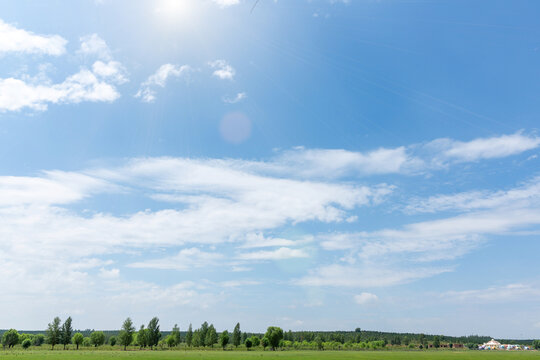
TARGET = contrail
x,y
253,8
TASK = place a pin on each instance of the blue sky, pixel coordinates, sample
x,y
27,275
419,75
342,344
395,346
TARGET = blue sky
x,y
314,165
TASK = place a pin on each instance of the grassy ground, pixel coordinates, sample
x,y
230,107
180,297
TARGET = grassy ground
x,y
281,355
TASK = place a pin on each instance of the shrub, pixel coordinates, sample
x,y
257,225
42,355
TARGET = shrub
x,y
39,339
26,343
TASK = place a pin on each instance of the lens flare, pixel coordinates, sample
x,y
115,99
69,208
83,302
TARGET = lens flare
x,y
235,127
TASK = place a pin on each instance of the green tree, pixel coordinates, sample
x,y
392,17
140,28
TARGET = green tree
x,y
202,333
436,342
224,339
176,334
54,332
10,338
422,339
154,334
125,337
26,343
86,342
211,336
39,339
319,342
170,341
67,330
536,344
142,337
256,341
248,343
265,342
237,335
77,339
197,338
406,341
112,340
189,336
274,334
97,338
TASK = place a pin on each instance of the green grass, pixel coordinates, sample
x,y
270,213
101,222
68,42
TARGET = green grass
x,y
281,355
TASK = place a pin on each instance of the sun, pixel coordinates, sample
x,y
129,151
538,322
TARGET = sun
x,y
176,10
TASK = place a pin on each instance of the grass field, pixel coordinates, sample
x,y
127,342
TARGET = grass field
x,y
281,355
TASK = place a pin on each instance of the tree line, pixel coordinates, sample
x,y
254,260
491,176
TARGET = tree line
x,y
151,337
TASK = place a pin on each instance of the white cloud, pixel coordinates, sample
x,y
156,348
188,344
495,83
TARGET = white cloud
x,y
365,298
17,40
219,204
369,275
109,273
239,283
496,294
474,200
226,3
52,188
93,45
278,254
258,240
336,163
484,148
410,160
223,70
186,259
237,98
86,85
112,70
147,90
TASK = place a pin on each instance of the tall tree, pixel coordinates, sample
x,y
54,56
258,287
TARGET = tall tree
x,y
189,336
224,339
197,338
125,337
142,338
53,332
176,334
211,336
202,333
77,339
154,334
237,335
67,330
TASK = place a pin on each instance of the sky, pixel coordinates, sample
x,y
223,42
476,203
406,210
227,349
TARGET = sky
x,y
313,165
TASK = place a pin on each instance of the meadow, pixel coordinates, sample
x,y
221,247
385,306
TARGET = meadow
x,y
281,355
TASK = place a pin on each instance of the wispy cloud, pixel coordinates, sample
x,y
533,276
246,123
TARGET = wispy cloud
x,y
507,293
237,98
186,259
147,91
278,254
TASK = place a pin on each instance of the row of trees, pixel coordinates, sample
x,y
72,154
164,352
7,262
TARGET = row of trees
x,y
59,333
